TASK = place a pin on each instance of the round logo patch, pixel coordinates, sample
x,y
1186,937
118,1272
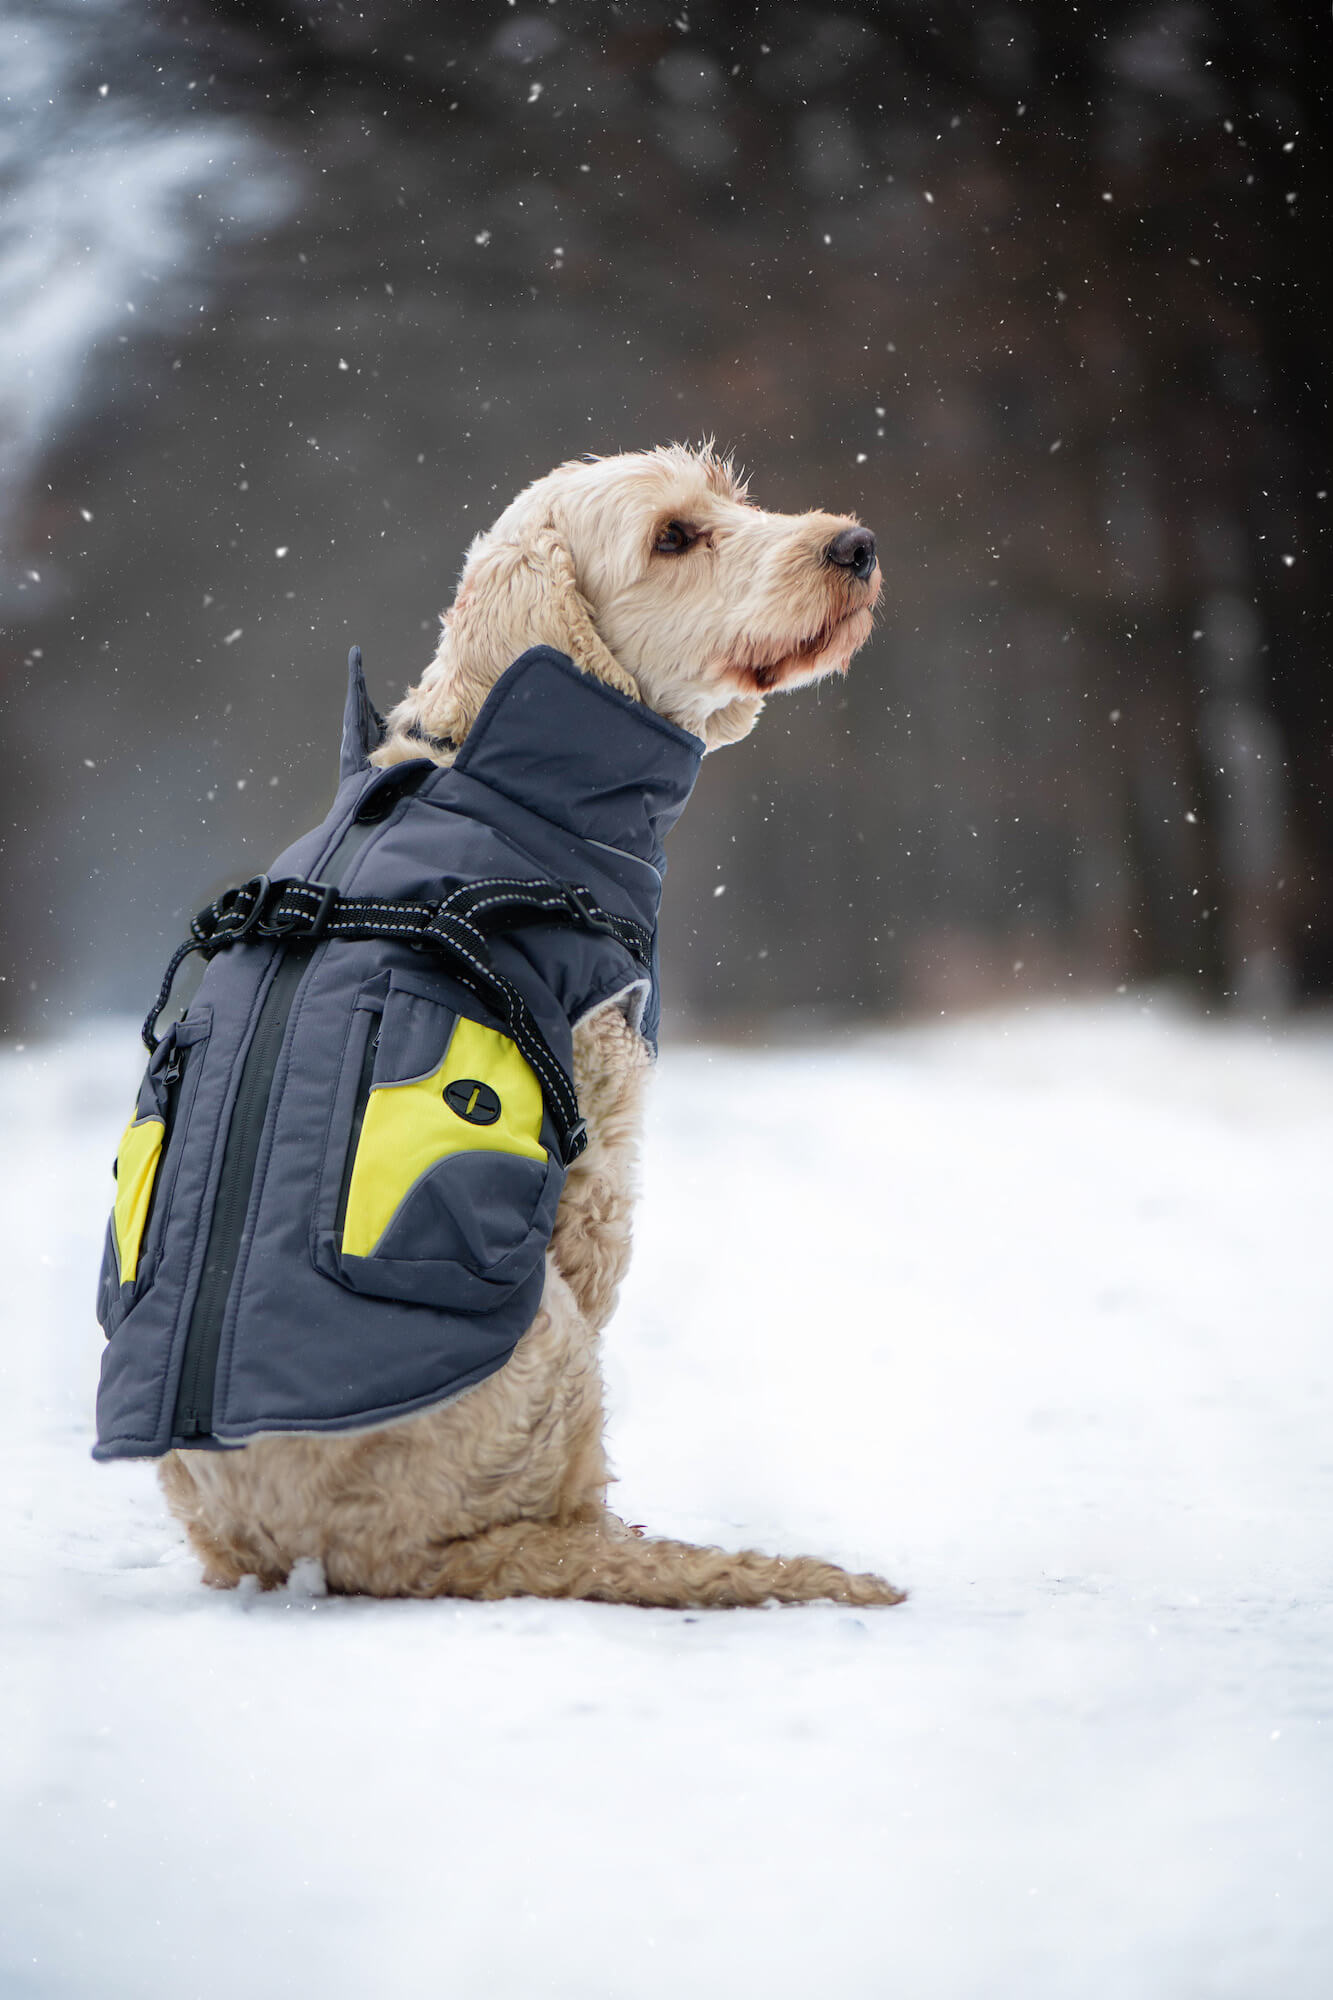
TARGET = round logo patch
x,y
476,1102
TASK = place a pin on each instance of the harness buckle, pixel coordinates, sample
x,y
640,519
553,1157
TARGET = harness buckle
x,y
576,1141
269,924
579,902
583,907
257,889
319,922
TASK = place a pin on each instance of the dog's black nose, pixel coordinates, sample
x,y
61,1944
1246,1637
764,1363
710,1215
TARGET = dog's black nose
x,y
853,549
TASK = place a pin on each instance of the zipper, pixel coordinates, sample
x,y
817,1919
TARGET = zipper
x,y
172,1076
362,1099
199,1365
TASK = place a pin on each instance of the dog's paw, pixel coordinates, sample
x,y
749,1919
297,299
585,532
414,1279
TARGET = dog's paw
x,y
222,1576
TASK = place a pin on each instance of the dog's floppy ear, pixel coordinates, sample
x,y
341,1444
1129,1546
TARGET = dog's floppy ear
x,y
518,589
568,614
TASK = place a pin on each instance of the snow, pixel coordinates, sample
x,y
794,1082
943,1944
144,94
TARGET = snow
x,y
1031,1313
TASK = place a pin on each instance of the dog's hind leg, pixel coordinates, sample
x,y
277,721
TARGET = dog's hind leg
x,y
603,1561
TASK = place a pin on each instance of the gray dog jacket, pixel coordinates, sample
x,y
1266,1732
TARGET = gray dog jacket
x,y
334,1198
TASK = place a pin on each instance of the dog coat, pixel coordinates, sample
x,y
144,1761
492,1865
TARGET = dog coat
x,y
335,1195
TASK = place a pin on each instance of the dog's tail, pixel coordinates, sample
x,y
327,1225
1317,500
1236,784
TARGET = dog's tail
x,y
610,1563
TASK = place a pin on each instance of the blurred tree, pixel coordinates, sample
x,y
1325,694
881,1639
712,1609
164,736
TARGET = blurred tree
x,y
1042,291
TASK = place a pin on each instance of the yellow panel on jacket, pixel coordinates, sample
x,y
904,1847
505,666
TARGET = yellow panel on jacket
x,y
136,1170
484,1098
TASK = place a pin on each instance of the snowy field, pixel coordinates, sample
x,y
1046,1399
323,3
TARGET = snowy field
x,y
1031,1313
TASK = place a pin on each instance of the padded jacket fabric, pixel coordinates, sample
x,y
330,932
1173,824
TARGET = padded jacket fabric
x,y
335,1195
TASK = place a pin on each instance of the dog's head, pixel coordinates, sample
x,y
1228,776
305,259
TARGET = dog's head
x,y
654,571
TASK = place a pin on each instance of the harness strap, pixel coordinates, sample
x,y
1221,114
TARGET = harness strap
x,y
440,744
292,911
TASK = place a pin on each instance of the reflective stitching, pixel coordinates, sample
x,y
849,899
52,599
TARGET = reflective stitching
x,y
449,925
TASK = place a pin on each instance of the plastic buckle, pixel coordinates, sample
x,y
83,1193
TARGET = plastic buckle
x,y
297,924
581,903
269,926
576,1141
257,887
328,897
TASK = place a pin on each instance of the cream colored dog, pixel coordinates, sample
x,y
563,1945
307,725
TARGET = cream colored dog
x,y
654,572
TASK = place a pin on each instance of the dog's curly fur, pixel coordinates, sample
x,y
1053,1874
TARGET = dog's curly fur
x,y
653,572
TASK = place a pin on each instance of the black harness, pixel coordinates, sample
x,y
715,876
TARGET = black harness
x,y
294,912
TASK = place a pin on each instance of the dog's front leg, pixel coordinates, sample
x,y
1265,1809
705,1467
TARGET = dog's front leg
x,y
591,1242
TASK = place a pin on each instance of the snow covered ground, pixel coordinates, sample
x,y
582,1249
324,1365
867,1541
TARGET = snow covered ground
x,y
1031,1313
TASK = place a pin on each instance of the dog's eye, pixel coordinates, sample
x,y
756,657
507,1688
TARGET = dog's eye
x,y
675,538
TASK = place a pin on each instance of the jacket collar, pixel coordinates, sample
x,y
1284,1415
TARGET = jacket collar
x,y
363,725
567,746
564,746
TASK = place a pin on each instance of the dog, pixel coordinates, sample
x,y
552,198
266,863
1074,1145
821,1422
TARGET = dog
x,y
654,572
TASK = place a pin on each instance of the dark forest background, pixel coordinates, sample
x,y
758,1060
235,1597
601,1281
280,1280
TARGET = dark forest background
x,y
293,297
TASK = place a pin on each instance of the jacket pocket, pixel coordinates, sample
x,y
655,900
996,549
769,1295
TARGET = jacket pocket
x,y
443,1186
146,1164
